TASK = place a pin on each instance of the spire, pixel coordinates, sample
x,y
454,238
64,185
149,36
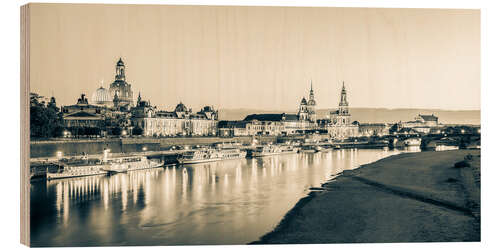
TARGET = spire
x,y
139,98
311,101
343,96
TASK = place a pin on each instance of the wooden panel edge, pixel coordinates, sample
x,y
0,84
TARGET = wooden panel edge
x,y
24,133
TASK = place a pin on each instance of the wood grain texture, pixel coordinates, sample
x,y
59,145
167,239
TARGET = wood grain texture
x,y
25,126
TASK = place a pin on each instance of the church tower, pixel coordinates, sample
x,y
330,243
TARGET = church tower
x,y
343,105
120,70
311,105
343,117
341,126
120,87
303,110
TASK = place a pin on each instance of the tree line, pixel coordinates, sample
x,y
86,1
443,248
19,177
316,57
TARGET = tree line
x,y
45,119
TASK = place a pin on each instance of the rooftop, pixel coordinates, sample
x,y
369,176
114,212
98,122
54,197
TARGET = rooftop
x,y
272,117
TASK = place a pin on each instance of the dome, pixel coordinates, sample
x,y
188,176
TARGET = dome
x,y
101,96
208,109
181,108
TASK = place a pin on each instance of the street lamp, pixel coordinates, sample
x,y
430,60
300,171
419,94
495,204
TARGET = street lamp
x,y
66,133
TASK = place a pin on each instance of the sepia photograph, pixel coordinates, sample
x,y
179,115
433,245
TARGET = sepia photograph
x,y
164,125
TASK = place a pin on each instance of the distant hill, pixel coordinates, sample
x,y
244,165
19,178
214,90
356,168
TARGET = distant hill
x,y
372,115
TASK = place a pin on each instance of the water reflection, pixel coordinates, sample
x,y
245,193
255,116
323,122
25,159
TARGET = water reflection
x,y
229,202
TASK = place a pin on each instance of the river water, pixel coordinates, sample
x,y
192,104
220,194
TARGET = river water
x,y
226,202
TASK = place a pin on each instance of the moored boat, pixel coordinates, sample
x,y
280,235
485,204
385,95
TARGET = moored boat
x,y
211,154
129,163
77,168
88,167
289,149
267,150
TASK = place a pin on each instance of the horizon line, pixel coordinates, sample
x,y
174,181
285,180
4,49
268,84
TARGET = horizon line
x,y
437,109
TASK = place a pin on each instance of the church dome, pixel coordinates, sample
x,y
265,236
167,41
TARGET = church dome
x,y
181,108
208,109
101,96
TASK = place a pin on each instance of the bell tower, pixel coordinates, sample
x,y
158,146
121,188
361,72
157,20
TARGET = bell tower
x,y
120,87
343,105
120,70
311,105
303,110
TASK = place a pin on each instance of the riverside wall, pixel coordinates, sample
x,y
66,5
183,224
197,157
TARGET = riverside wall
x,y
70,147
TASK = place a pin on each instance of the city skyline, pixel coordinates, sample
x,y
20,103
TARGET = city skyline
x,y
167,125
227,56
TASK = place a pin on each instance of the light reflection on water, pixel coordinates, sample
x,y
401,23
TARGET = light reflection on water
x,y
227,202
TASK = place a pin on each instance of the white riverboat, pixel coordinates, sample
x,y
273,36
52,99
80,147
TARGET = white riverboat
x,y
211,154
88,167
267,150
77,168
129,163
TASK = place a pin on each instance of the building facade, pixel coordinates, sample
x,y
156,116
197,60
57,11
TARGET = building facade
x,y
275,124
83,118
232,128
373,129
341,126
421,124
179,122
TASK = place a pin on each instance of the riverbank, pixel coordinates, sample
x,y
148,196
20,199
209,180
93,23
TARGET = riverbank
x,y
414,197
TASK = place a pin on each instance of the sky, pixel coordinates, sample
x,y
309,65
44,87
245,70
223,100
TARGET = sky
x,y
259,57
